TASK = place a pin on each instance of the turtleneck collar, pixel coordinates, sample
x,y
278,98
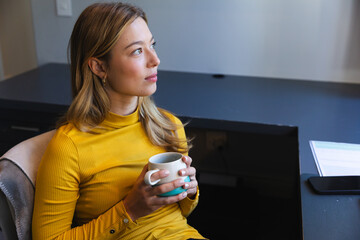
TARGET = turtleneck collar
x,y
117,121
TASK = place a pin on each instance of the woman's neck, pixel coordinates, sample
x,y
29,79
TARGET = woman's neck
x,y
124,107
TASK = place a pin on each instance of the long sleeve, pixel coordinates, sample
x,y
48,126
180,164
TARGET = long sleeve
x,y
188,205
57,191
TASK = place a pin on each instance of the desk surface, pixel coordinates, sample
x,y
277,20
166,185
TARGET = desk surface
x,y
330,217
322,111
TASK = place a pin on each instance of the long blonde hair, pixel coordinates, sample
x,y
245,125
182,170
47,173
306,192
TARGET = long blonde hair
x,y
95,33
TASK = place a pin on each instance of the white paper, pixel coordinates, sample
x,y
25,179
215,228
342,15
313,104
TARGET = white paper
x,y
336,159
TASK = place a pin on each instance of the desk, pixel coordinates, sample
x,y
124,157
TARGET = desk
x,y
32,102
330,217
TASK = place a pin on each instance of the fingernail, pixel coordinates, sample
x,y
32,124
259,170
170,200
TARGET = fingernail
x,y
182,172
184,194
166,172
186,185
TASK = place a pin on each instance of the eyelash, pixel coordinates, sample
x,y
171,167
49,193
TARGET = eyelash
x,y
136,51
153,45
139,50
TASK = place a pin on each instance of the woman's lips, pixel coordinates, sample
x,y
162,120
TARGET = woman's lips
x,y
152,78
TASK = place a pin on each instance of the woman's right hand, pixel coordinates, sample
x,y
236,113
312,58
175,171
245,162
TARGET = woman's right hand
x,y
143,199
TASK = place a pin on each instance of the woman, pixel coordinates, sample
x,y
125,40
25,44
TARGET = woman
x,y
90,184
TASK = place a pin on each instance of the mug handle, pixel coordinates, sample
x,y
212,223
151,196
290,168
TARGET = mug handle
x,y
148,175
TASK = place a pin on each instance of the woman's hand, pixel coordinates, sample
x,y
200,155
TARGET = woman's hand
x,y
143,199
191,172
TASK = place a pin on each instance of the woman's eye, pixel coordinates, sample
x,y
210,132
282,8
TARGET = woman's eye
x,y
153,45
137,51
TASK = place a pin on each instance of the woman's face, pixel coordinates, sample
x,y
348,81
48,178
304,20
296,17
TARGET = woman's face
x,y
132,67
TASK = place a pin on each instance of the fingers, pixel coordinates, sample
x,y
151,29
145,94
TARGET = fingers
x,y
155,176
190,185
190,171
187,160
172,199
160,174
167,187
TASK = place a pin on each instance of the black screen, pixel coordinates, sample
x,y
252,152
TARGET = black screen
x,y
248,176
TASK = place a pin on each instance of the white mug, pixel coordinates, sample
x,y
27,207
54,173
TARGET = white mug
x,y
170,161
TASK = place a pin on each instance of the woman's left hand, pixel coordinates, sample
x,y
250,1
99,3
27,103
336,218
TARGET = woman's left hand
x,y
191,172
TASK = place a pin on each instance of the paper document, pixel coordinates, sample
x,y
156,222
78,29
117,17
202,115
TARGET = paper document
x,y
336,159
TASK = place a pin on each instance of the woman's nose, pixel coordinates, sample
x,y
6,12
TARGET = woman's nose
x,y
153,60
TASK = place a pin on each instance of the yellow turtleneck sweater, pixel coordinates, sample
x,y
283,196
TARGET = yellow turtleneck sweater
x,y
83,178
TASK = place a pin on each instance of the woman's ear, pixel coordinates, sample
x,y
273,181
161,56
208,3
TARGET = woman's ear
x,y
97,67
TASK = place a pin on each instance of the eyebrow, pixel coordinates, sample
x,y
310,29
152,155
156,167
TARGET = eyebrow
x,y
138,42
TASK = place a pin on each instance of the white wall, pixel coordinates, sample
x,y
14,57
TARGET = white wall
x,y
307,39
17,44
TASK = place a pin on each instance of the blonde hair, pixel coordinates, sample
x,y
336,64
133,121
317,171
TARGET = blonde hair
x,y
95,33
